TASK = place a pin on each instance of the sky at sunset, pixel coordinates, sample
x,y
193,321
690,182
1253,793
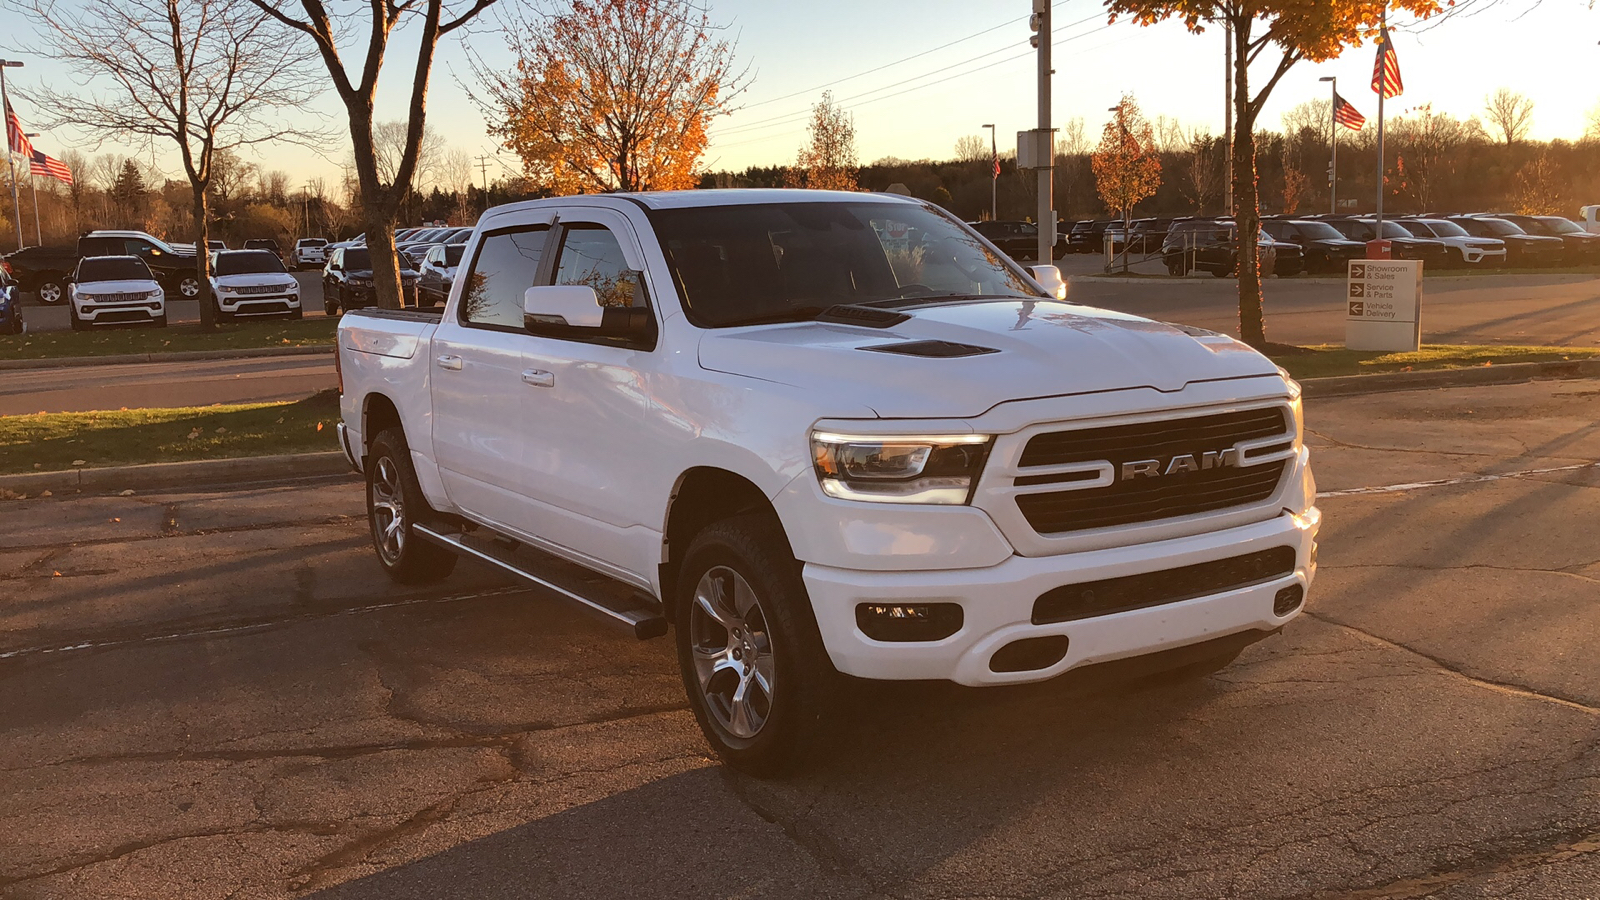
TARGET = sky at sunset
x,y
972,65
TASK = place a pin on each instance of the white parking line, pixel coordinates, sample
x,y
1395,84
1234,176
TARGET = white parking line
x,y
1445,482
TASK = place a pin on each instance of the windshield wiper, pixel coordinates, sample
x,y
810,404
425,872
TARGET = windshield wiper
x,y
935,299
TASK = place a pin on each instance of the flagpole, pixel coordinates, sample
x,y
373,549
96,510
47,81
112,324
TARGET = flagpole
x,y
1383,31
5,104
33,185
1333,146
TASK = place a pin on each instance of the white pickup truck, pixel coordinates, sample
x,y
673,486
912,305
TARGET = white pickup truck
x,y
824,433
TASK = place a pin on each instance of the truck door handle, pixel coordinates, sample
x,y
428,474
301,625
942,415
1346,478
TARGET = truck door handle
x,y
453,363
538,378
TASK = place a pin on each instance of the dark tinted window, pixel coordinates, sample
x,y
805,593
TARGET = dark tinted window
x,y
738,265
505,267
1500,227
357,259
452,254
1417,229
112,268
313,242
248,262
1558,225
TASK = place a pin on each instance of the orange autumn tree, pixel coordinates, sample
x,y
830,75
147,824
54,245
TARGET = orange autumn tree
x,y
1316,30
1126,166
610,95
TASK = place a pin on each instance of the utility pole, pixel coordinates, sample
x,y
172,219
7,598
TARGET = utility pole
x,y
5,104
1333,145
1046,135
1383,27
483,164
1227,118
994,176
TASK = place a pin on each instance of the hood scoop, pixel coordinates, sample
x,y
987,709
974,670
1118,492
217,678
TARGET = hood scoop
x,y
865,316
931,349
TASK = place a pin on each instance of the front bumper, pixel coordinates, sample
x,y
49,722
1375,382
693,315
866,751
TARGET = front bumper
x,y
138,311
259,304
998,604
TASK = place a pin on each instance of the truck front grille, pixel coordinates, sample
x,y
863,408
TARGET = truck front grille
x,y
1175,491
1142,591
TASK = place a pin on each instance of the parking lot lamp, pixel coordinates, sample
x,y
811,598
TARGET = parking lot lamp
x,y
1333,144
5,103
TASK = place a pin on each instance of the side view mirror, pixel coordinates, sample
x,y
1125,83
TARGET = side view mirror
x,y
1049,278
574,305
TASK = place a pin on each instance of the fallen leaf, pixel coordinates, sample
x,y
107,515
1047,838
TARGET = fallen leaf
x,y
80,462
127,493
319,426
280,421
56,574
221,430
38,465
194,434
45,494
116,518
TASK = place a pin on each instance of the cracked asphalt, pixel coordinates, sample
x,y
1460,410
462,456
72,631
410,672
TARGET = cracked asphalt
x,y
217,695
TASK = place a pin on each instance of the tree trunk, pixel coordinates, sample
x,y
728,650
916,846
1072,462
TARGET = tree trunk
x,y
202,260
1247,210
380,208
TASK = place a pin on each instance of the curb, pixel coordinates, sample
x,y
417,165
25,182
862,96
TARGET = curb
x,y
65,362
180,474
1348,385
153,476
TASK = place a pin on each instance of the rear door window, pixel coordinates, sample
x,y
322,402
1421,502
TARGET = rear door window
x,y
507,264
591,255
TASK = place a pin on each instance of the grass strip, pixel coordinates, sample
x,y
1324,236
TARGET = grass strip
x,y
46,442
1329,360
253,335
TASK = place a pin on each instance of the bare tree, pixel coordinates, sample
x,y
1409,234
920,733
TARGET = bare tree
x,y
611,94
1429,141
379,199
1203,177
971,148
1073,139
202,75
1510,114
1313,118
827,161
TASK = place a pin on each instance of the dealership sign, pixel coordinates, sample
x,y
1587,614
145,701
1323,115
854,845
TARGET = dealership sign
x,y
1383,305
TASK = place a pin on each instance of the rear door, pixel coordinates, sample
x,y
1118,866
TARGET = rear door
x,y
476,387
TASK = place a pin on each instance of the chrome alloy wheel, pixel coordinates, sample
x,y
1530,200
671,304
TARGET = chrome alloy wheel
x,y
388,511
732,652
49,292
189,287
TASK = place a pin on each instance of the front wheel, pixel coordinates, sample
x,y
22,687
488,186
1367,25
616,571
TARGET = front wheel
x,y
50,290
77,323
394,501
758,677
189,287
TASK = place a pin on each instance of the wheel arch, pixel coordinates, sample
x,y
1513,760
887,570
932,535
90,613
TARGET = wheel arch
x,y
703,495
378,412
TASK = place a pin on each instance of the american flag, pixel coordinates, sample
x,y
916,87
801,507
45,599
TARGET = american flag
x,y
49,166
997,165
15,137
1386,69
1347,115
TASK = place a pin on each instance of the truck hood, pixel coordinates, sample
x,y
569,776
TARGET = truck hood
x,y
123,286
1016,350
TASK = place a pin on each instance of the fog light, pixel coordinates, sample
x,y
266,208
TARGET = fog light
x,y
1288,600
908,622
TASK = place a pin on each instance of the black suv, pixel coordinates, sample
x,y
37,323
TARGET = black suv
x,y
1402,243
347,281
1325,249
1018,240
1581,248
1211,245
1087,236
1147,235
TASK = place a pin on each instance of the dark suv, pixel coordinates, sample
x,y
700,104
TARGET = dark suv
x,y
1211,245
1581,247
1325,249
347,281
1018,240
1522,248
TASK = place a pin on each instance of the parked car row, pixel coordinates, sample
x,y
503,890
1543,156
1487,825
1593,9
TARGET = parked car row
x,y
1018,240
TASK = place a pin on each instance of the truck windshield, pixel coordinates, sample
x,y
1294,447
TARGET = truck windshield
x,y
251,262
112,268
739,265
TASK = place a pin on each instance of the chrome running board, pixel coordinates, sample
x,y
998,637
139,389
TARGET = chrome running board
x,y
643,615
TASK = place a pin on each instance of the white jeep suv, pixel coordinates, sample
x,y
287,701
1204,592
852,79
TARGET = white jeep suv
x,y
115,289
253,283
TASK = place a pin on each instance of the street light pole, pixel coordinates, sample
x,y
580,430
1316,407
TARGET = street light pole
x,y
1333,145
5,103
994,176
1046,137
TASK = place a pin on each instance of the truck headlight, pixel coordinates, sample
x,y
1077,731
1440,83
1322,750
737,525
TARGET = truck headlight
x,y
937,469
1296,407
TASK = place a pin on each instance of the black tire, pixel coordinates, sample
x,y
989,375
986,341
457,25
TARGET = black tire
x,y
77,323
50,290
159,321
297,313
1221,273
393,495
221,314
187,286
778,627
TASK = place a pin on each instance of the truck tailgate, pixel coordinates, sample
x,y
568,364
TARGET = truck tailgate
x,y
398,335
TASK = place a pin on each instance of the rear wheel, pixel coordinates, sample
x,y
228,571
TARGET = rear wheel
x,y
188,287
758,677
50,290
394,501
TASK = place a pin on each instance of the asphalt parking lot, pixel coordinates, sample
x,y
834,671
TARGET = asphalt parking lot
x,y
216,694
39,317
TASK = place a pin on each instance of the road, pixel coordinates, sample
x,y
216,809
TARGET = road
x,y
1494,309
193,383
214,695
